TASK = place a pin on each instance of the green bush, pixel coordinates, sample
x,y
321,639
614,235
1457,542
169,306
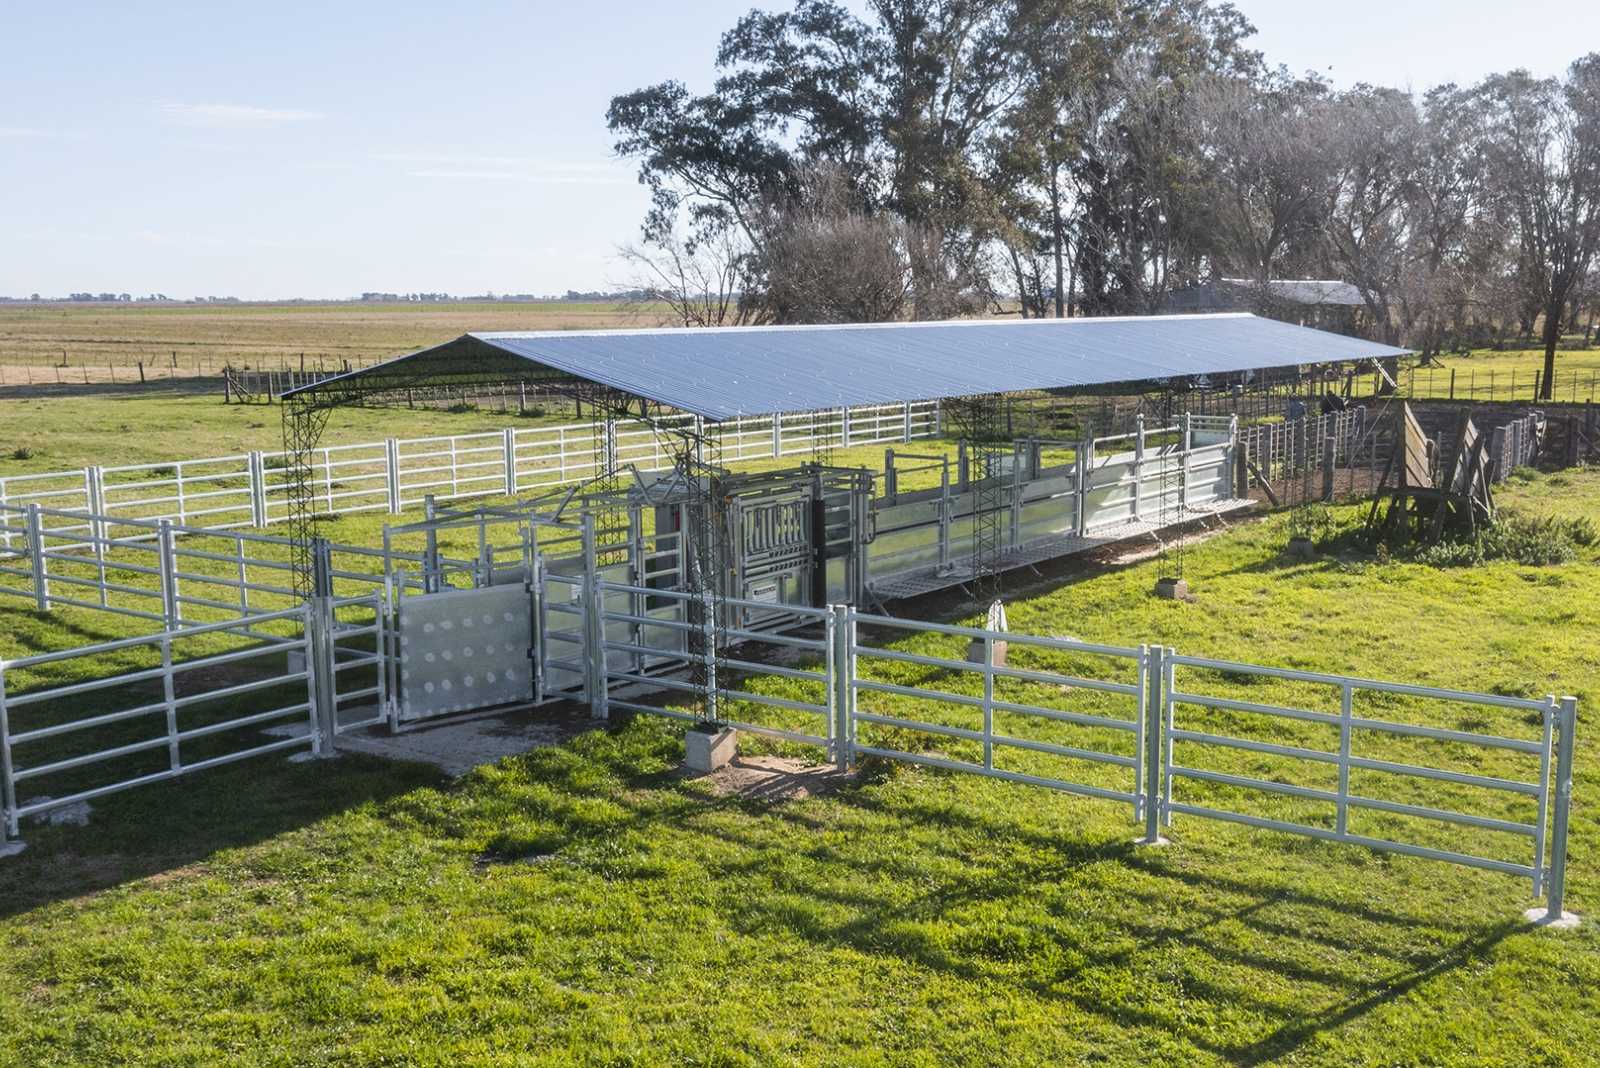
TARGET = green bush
x,y
1532,541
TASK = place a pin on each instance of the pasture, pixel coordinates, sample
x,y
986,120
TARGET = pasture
x,y
585,904
107,342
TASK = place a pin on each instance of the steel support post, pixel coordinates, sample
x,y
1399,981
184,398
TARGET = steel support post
x,y
10,828
1554,914
1138,463
391,457
41,572
256,468
510,452
594,626
841,673
1085,466
171,608
320,660
1154,739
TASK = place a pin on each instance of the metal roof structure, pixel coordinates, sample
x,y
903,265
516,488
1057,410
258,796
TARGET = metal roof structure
x,y
728,372
1310,291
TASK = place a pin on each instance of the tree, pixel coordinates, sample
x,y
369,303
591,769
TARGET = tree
x,y
704,283
1265,146
1372,199
826,259
1544,135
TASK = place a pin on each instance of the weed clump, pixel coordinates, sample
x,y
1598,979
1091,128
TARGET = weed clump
x,y
1533,541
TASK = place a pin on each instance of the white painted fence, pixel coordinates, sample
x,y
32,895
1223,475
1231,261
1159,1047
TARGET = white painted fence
x,y
252,489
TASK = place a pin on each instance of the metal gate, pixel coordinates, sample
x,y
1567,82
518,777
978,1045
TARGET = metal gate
x,y
464,649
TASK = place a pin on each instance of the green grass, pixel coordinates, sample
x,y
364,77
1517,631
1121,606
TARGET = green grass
x,y
584,905
1509,375
117,427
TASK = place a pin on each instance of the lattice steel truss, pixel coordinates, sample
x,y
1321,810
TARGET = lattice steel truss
x,y
980,423
696,453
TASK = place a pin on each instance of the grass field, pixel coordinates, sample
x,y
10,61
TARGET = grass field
x,y
1510,375
583,904
109,341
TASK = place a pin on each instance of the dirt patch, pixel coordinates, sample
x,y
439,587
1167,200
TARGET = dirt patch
x,y
774,779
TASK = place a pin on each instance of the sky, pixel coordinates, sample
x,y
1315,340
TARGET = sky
x,y
270,151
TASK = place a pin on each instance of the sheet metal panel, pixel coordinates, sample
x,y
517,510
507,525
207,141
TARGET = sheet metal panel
x,y
465,649
728,372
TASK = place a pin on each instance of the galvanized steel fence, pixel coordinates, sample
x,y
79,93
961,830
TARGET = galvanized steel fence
x,y
1393,767
252,489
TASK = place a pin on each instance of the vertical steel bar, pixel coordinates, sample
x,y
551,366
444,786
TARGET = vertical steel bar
x,y
8,785
1556,892
170,699
41,569
988,702
1346,704
1143,791
509,452
170,605
1154,704
1551,712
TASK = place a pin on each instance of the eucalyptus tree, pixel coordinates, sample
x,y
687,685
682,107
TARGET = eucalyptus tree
x,y
1267,143
1544,139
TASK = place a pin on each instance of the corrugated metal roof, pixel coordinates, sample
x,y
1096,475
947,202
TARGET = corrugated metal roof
x,y
729,372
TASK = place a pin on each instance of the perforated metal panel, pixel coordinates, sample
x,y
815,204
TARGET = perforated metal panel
x,y
465,649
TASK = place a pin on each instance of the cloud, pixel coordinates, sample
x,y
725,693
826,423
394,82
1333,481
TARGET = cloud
x,y
234,116
23,131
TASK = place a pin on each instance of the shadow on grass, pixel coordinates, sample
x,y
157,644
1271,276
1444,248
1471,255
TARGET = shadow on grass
x,y
1243,967
1132,937
162,827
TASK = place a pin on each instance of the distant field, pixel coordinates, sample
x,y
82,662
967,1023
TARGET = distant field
x,y
1508,375
52,431
46,343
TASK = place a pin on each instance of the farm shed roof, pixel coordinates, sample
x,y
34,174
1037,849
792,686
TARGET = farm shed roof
x,y
737,371
1310,290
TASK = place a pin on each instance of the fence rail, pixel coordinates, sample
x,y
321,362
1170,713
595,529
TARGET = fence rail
x,y
1104,722
252,489
63,734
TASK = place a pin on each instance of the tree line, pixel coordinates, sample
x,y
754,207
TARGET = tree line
x,y
937,158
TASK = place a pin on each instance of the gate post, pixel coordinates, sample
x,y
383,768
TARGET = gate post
x,y
842,667
319,648
594,626
41,570
255,468
1553,914
510,435
10,828
391,463
1155,670
1085,465
171,609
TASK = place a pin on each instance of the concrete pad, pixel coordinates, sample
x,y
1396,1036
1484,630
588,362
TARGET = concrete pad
x,y
1540,917
457,747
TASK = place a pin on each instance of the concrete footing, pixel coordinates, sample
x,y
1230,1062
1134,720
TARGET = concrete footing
x,y
1301,549
1540,917
706,751
1172,589
11,849
1155,842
